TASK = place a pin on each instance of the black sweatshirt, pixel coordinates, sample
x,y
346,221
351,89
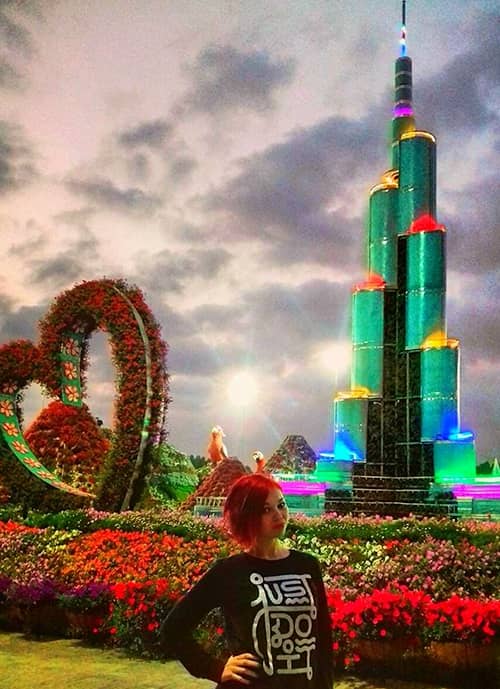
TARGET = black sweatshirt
x,y
275,609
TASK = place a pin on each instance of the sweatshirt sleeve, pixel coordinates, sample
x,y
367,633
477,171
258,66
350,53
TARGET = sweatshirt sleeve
x,y
325,645
176,632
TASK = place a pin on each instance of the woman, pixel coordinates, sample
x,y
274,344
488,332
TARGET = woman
x,y
272,598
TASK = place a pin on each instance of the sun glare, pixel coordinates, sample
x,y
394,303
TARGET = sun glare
x,y
242,389
334,358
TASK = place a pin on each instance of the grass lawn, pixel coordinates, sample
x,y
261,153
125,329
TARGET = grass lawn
x,y
59,663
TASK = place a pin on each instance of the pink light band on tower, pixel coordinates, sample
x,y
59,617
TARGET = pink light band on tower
x,y
403,111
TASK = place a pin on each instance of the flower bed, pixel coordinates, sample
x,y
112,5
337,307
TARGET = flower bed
x,y
437,582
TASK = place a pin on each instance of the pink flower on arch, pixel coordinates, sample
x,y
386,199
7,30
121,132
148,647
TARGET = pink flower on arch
x,y
71,346
9,388
72,393
70,370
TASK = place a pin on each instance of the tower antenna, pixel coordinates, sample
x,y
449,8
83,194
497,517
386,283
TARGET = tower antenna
x,y
402,40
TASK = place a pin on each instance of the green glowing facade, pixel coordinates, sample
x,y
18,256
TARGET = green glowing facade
x,y
400,417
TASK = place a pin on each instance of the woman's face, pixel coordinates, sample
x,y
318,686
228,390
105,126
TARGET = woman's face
x,y
274,515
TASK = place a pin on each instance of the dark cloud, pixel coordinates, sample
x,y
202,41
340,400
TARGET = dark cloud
x,y
182,167
149,154
67,266
283,322
479,408
192,356
78,217
139,167
21,323
13,34
28,247
219,317
461,95
472,319
9,77
276,324
6,303
169,271
151,134
17,168
285,195
473,244
187,232
303,406
188,393
16,40
107,195
226,79
174,324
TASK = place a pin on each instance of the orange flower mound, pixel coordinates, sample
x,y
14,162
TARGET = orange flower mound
x,y
111,556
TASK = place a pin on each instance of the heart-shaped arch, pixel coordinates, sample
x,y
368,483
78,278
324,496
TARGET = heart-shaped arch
x,y
19,363
59,363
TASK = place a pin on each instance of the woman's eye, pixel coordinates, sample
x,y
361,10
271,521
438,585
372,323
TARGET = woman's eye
x,y
282,505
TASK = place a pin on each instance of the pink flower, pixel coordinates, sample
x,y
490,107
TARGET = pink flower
x,y
71,347
72,393
70,370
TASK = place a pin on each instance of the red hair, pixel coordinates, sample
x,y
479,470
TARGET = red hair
x,y
244,506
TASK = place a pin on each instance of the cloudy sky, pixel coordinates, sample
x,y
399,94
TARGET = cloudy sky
x,y
219,154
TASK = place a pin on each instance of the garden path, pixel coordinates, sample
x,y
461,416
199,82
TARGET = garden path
x,y
59,663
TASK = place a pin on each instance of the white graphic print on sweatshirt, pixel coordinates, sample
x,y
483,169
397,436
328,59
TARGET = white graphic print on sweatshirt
x,y
285,622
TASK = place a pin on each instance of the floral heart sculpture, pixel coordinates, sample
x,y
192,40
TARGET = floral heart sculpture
x,y
59,364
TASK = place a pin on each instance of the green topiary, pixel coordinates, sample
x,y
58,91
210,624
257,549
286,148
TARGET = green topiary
x,y
174,477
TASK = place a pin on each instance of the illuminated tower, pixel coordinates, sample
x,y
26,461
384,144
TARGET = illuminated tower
x,y
400,417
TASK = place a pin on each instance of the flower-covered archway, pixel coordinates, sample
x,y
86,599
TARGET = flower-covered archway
x,y
59,364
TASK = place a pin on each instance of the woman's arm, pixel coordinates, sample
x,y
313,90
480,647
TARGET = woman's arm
x,y
176,632
325,641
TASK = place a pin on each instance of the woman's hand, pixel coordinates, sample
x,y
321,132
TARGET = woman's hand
x,y
240,668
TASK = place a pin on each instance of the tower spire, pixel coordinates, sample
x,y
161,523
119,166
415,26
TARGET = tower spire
x,y
402,40
403,120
